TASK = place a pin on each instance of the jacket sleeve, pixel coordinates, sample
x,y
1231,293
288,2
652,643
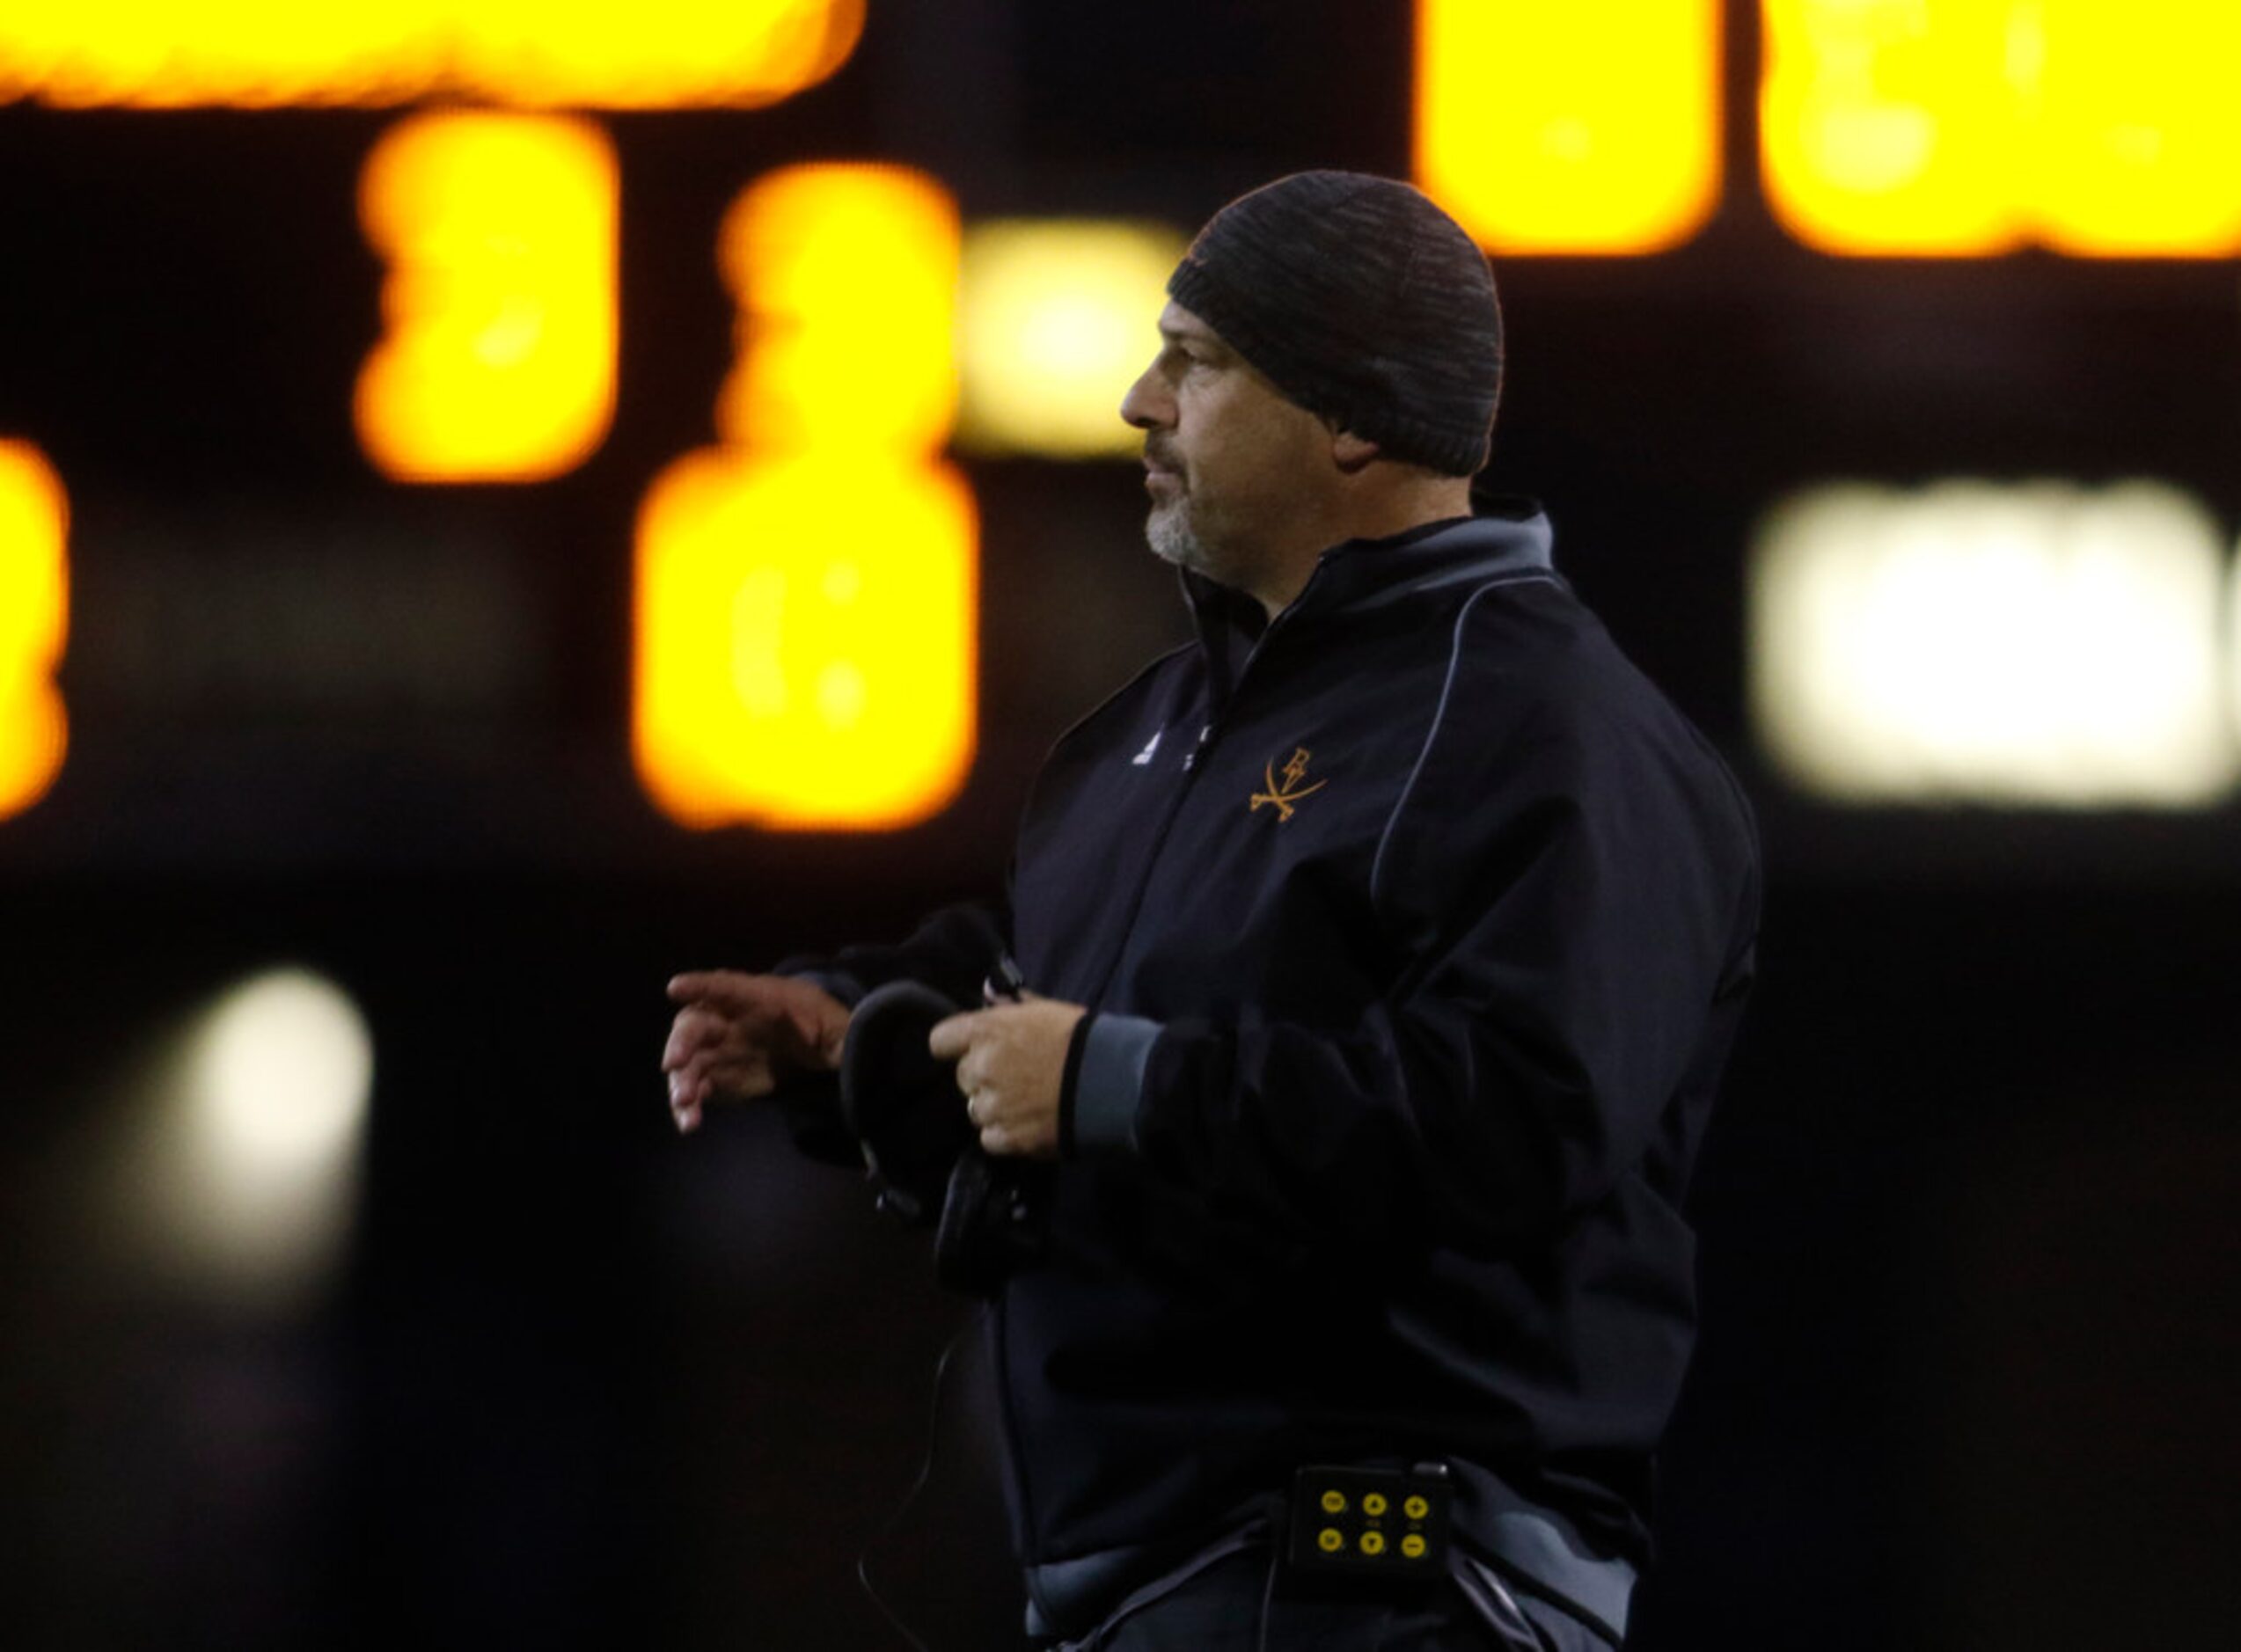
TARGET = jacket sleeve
x,y
1571,908
952,951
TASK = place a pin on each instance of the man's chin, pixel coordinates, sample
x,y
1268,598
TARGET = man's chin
x,y
1170,537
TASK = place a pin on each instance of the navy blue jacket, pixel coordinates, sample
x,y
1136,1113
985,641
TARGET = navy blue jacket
x,y
1415,924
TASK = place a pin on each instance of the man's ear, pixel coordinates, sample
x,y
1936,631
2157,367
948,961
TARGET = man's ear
x,y
1352,453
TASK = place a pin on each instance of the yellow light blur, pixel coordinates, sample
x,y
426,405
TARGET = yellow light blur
x,y
35,621
530,54
846,282
2138,149
2036,646
1057,317
1560,129
1969,127
807,593
498,363
1889,126
805,639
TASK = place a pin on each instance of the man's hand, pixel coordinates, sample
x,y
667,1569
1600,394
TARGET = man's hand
x,y
739,1035
1011,1061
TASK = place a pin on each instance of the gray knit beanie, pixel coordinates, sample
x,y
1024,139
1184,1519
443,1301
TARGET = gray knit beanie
x,y
1362,300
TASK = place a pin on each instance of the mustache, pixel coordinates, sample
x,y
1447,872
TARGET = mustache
x,y
1157,453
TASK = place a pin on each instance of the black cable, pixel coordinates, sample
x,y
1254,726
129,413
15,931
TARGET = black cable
x,y
926,1473
1268,1590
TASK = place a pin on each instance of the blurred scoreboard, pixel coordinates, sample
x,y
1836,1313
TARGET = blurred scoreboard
x,y
449,430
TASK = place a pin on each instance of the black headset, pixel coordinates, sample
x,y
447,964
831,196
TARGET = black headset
x,y
921,1153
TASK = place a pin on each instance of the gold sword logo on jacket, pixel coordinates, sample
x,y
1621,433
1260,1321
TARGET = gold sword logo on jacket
x,y
1285,798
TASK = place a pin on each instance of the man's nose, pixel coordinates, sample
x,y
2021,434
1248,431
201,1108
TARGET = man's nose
x,y
1144,406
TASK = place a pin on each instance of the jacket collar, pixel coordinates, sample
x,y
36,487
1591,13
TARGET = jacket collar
x,y
1509,537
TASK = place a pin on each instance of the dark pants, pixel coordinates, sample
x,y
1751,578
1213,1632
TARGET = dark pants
x,y
1247,1603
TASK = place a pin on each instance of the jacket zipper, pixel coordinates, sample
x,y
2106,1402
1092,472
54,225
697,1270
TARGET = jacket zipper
x,y
1151,860
1208,733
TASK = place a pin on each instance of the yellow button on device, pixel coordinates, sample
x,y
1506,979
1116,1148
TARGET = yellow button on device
x,y
1373,1542
1330,1540
1416,1508
1412,1545
1334,1503
1373,1504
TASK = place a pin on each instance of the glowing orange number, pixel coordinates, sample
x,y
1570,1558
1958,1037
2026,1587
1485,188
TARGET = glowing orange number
x,y
1546,127
1966,128
499,363
264,54
806,591
34,614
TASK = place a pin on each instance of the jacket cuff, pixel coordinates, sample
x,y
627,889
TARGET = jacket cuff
x,y
1108,1080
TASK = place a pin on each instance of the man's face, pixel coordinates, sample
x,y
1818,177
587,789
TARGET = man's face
x,y
1236,469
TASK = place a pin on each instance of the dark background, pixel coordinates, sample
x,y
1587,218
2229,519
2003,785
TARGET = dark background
x,y
1969,1261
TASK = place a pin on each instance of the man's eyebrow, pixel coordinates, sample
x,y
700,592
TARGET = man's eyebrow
x,y
1205,338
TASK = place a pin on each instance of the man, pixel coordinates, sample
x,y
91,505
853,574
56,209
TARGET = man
x,y
1389,940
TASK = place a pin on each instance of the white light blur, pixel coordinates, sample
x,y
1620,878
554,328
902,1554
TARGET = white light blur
x,y
1056,317
282,1070
249,1172
2040,645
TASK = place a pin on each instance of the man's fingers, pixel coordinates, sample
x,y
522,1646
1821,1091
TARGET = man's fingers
x,y
1017,1141
951,1039
971,1074
760,997
708,1079
729,1075
736,1031
734,989
693,1031
691,1091
686,1096
698,1033
695,986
